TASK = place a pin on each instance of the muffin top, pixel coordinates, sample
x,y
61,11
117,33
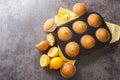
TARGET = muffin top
x,y
64,33
79,27
48,24
87,41
102,35
80,9
94,20
72,49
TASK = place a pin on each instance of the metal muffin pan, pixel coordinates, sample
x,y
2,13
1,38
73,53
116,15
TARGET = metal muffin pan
x,y
76,37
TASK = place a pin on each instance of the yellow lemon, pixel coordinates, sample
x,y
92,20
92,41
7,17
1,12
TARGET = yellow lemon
x,y
56,63
44,60
53,52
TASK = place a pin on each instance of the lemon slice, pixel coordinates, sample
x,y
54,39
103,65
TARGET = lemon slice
x,y
56,63
44,60
53,52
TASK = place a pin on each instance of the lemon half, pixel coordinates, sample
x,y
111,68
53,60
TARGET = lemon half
x,y
44,60
53,52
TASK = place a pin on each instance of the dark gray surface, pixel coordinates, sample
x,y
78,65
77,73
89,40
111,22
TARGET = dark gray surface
x,y
21,29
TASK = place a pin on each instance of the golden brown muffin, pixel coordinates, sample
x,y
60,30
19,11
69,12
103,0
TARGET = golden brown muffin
x,y
49,25
64,33
80,9
87,41
79,27
42,46
68,70
94,20
102,35
72,49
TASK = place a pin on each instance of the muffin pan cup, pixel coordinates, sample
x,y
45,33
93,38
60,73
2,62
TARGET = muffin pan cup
x,y
76,37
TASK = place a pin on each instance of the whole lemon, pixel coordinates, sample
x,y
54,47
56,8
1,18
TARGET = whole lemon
x,y
56,63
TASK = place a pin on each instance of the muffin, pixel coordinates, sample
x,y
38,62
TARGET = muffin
x,y
79,27
80,9
68,70
51,39
102,35
87,41
49,25
94,20
64,33
72,49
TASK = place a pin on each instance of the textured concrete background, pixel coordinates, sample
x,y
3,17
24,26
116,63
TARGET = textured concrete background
x,y
21,28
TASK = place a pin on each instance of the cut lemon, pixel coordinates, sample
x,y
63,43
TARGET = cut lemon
x,y
56,63
44,60
53,52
